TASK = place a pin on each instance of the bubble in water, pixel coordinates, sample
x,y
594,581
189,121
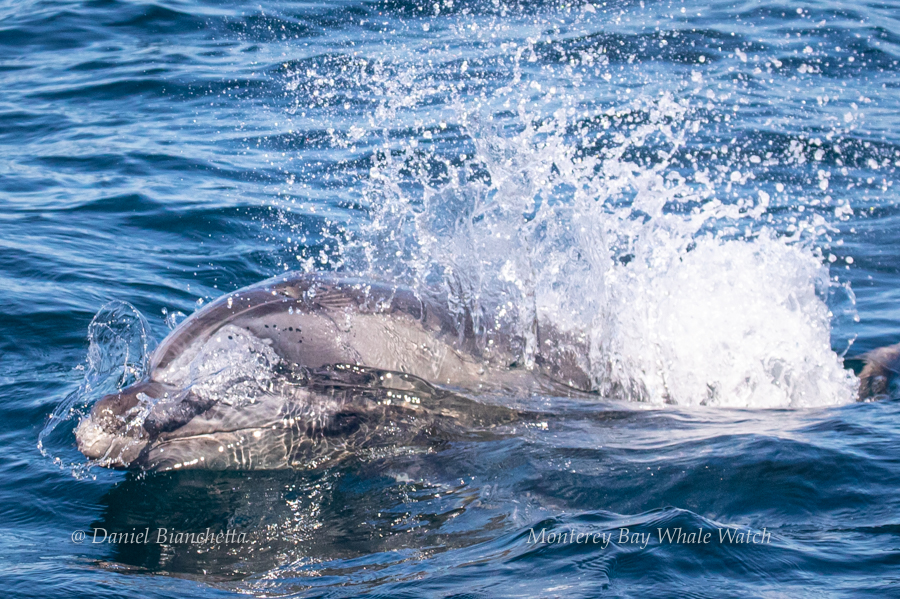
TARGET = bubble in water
x,y
173,319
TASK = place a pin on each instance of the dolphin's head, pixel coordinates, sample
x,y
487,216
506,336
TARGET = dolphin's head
x,y
121,425
155,426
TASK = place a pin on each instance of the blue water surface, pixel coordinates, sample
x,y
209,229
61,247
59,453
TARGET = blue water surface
x,y
162,153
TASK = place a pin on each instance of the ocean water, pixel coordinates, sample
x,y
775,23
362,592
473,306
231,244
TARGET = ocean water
x,y
703,192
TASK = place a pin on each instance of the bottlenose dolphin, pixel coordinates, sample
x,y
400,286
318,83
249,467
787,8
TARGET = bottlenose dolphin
x,y
303,369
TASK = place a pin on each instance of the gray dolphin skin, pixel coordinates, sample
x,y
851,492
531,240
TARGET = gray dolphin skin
x,y
304,369
881,368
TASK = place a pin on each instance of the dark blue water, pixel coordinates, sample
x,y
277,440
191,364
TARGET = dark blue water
x,y
705,190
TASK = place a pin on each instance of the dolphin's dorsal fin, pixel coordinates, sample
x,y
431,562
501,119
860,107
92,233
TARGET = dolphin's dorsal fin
x,y
881,365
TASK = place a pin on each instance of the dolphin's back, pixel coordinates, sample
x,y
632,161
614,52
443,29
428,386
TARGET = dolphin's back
x,y
313,320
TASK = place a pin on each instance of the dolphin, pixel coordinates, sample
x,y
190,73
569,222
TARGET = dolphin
x,y
302,370
880,370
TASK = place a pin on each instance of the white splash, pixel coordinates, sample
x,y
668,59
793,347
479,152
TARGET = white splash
x,y
678,308
233,367
729,323
547,207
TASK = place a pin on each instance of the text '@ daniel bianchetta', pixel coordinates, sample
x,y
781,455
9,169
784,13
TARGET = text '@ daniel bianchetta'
x,y
160,536
664,536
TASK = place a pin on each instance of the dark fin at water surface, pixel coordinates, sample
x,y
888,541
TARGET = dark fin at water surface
x,y
881,366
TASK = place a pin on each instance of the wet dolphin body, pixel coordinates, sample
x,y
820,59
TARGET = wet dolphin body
x,y
303,369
